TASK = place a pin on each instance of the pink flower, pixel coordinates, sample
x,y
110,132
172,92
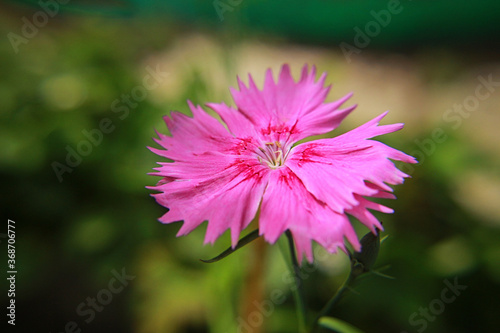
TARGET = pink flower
x,y
225,175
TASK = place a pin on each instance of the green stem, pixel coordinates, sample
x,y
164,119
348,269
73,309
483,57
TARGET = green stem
x,y
356,270
297,289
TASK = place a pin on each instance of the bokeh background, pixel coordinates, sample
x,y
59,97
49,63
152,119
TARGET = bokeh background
x,y
82,63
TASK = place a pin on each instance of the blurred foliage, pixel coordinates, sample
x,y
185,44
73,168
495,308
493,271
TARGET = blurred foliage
x,y
72,234
456,23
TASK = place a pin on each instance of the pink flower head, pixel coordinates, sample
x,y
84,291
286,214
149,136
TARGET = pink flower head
x,y
223,175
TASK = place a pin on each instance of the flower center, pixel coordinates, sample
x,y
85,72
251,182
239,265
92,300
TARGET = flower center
x,y
273,154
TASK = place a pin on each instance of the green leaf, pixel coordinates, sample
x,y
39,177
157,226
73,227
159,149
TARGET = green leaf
x,y
242,242
338,325
383,239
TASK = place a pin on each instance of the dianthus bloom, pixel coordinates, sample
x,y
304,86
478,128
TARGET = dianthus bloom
x,y
224,176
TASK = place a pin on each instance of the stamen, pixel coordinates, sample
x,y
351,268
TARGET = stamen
x,y
273,154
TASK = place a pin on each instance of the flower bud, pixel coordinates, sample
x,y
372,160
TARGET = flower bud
x,y
370,245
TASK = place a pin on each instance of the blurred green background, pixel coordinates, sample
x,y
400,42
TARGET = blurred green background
x,y
70,69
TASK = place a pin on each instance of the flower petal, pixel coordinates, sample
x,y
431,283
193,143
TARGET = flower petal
x,y
237,122
288,205
227,196
294,108
213,176
341,170
192,135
